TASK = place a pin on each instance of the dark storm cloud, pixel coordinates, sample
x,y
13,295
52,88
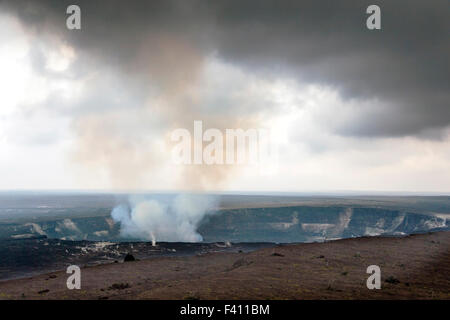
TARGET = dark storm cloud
x,y
404,66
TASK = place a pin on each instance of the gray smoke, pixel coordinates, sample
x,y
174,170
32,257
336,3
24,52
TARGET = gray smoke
x,y
403,68
149,218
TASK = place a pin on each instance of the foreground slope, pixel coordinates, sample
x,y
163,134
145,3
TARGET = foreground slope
x,y
416,266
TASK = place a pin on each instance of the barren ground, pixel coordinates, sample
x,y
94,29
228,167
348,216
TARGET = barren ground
x,y
417,266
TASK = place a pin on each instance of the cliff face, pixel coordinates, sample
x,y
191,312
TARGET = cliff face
x,y
270,224
308,224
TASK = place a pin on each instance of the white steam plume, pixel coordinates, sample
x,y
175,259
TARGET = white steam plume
x,y
155,220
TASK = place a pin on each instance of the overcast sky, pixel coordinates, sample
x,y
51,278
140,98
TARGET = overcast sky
x,y
354,109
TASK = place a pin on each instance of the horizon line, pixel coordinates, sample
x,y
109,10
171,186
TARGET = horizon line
x,y
238,192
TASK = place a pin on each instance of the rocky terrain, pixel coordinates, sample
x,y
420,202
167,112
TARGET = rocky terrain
x,y
412,267
32,256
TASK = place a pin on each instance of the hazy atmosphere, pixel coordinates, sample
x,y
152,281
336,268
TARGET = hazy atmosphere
x,y
352,108
225,154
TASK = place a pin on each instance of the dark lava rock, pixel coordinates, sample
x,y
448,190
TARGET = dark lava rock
x,y
129,257
276,254
392,280
43,291
119,286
